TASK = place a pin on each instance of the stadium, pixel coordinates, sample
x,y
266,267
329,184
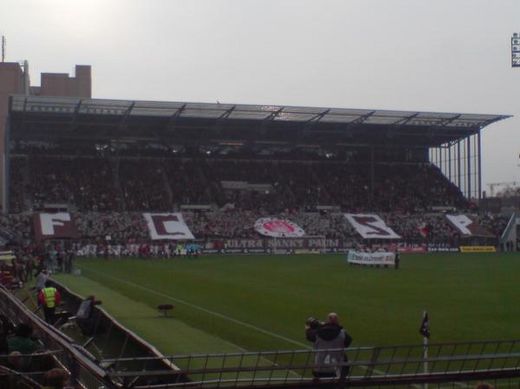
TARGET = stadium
x,y
183,203
164,244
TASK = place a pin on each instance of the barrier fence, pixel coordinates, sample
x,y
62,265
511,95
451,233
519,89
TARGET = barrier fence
x,y
65,353
402,366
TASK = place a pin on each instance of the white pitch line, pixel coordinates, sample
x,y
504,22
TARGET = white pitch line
x,y
202,309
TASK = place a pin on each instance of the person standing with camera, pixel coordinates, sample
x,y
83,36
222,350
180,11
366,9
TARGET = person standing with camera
x,y
330,340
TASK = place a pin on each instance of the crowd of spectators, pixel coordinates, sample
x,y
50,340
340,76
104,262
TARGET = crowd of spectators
x,y
116,226
496,224
143,185
106,193
85,183
233,223
160,184
24,359
16,227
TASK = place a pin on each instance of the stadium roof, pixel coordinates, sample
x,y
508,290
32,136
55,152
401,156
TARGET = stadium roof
x,y
44,117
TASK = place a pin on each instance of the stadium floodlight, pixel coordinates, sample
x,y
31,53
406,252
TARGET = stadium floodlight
x,y
515,50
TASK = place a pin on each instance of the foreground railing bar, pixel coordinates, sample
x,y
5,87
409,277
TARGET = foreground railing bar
x,y
365,362
205,367
256,368
453,349
371,364
241,365
271,367
218,355
510,352
222,369
496,351
288,372
361,381
305,369
468,349
407,357
275,363
349,350
231,383
241,380
437,355
389,365
482,348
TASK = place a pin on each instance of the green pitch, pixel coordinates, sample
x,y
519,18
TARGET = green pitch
x,y
232,303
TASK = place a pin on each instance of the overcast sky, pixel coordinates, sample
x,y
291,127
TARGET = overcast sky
x,y
435,55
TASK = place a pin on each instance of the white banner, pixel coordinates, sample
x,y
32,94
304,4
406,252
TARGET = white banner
x,y
278,228
371,226
468,226
169,226
360,258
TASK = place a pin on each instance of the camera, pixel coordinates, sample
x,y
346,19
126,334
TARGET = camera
x,y
313,323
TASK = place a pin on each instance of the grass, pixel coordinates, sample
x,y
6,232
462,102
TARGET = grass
x,y
228,303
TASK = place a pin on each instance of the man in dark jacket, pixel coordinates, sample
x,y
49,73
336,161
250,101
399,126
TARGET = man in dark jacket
x,y
330,340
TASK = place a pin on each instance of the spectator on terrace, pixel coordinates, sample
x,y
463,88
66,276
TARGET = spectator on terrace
x,y
41,279
55,379
86,317
22,340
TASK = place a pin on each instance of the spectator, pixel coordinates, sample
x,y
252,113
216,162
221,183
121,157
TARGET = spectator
x,y
55,379
41,279
22,340
330,340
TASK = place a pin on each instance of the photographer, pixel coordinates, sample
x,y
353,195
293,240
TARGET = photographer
x,y
330,340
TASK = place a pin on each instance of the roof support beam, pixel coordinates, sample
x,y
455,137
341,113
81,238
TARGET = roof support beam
x,y
74,123
407,120
318,116
170,124
226,114
126,115
273,114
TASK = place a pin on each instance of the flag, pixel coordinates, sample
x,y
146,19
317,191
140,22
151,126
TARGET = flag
x,y
424,330
424,230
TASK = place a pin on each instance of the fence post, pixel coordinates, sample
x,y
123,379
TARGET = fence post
x,y
373,360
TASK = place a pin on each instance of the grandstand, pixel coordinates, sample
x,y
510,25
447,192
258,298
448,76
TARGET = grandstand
x,y
107,161
108,177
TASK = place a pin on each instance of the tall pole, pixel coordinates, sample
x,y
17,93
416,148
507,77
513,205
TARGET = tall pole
x,y
424,330
3,48
425,356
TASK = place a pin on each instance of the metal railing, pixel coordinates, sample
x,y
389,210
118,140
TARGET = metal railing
x,y
399,366
83,369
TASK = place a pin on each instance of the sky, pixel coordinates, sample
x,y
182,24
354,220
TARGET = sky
x,y
417,55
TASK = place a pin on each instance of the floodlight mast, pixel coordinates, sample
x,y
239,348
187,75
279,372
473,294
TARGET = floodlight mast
x,y
3,48
515,50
